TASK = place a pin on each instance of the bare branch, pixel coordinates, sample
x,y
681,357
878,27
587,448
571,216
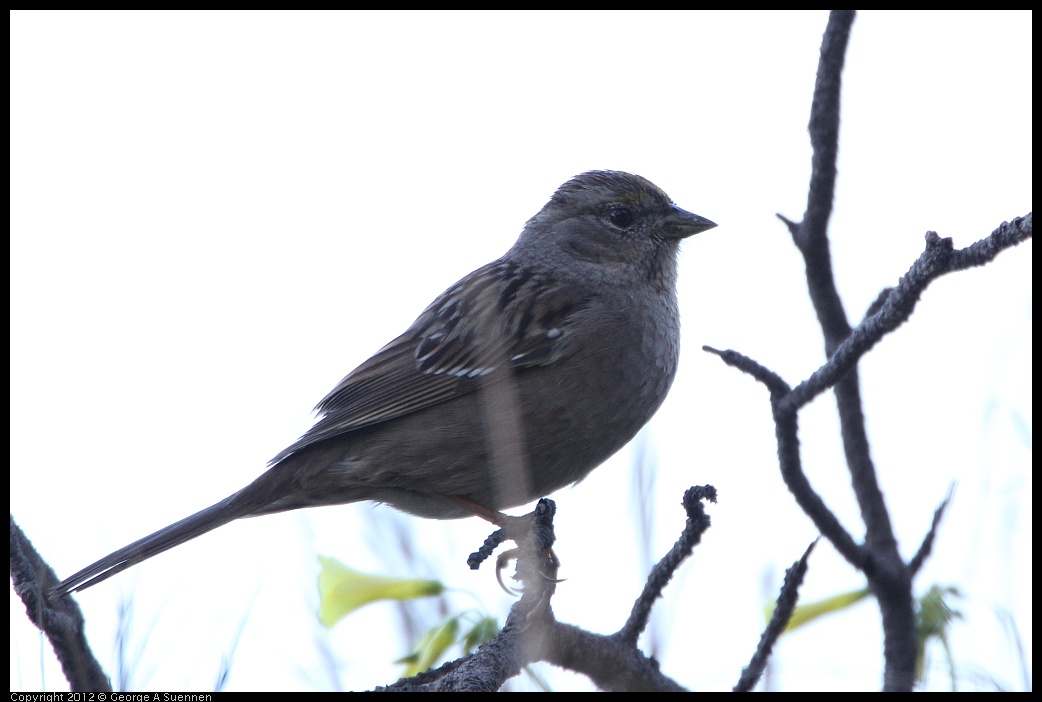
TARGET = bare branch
x,y
785,606
697,524
937,260
60,619
924,549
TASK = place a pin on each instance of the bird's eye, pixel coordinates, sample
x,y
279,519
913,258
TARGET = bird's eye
x,y
621,217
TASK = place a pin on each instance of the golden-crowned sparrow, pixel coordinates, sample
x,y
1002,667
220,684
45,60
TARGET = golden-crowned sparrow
x,y
516,381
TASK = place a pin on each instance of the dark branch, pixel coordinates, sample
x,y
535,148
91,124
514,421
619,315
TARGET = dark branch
x,y
924,550
811,238
533,634
611,665
697,524
810,235
774,382
937,260
61,619
784,607
787,436
786,432
519,642
880,559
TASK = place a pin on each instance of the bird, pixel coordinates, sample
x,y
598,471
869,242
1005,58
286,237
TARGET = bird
x,y
518,380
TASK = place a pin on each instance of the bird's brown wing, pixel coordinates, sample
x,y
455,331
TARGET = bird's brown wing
x,y
500,316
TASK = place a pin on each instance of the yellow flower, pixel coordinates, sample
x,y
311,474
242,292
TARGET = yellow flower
x,y
342,589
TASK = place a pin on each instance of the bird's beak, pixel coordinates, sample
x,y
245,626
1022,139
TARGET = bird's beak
x,y
680,224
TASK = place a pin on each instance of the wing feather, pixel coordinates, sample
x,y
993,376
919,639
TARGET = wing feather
x,y
500,316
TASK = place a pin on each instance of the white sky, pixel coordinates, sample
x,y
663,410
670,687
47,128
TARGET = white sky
x,y
215,216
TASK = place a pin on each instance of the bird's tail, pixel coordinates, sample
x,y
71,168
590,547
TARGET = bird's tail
x,y
227,510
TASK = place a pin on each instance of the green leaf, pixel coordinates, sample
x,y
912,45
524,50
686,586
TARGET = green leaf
x,y
430,647
934,620
485,629
806,613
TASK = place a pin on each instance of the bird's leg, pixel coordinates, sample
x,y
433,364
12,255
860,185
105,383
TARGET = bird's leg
x,y
479,510
507,531
510,528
